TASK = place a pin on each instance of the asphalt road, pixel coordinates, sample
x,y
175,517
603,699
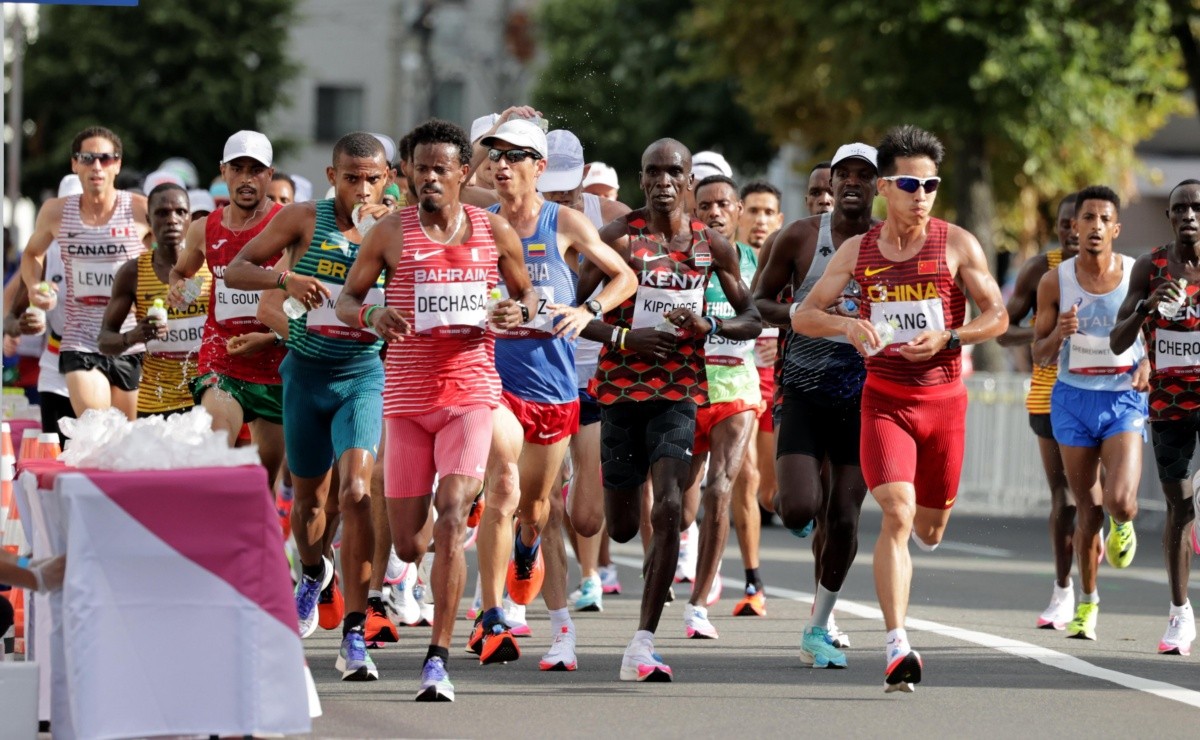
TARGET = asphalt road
x,y
988,671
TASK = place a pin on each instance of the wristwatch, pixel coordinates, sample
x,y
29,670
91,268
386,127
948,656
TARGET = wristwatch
x,y
1143,308
954,342
594,307
524,313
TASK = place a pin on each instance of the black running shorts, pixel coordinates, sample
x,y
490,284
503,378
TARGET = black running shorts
x,y
806,427
635,435
124,371
1040,424
1174,445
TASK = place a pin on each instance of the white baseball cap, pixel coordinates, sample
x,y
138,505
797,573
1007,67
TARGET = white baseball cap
x,y
70,185
480,125
389,147
158,177
250,144
705,164
182,167
601,174
520,132
304,188
201,200
857,150
564,163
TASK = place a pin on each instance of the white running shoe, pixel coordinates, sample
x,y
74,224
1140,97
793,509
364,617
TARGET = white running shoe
x,y
1061,610
696,624
561,656
404,599
514,614
395,568
424,592
689,545
641,664
1181,632
840,639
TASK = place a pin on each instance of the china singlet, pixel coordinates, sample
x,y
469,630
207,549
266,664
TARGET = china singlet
x,y
319,334
234,312
666,280
533,364
1174,350
171,363
729,364
1042,380
91,256
830,368
449,359
916,295
1086,360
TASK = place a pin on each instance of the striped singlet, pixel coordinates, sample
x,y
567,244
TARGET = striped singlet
x,y
171,363
449,359
1044,376
91,256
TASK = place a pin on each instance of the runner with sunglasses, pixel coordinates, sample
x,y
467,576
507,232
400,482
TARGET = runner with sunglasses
x,y
98,232
910,269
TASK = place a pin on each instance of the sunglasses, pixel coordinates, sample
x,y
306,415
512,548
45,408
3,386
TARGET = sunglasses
x,y
87,158
513,156
910,184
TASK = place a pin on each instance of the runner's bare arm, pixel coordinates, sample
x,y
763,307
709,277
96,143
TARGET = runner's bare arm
x,y
508,314
1050,329
979,286
1129,321
187,263
746,324
1024,298
377,255
32,259
777,270
111,340
291,228
270,303
582,236
811,318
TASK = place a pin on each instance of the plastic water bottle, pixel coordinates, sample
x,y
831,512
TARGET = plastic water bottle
x,y
540,122
493,300
886,333
666,327
157,313
192,287
39,314
293,308
363,223
1169,309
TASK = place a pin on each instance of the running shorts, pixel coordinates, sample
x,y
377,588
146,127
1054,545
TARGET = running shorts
x,y
258,400
636,434
1041,425
329,408
123,371
1085,418
422,449
544,423
808,427
1174,446
914,434
766,386
708,417
589,409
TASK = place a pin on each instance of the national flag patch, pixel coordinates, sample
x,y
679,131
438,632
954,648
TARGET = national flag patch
x,y
537,250
703,259
927,267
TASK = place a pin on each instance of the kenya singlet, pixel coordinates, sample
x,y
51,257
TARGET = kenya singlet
x,y
169,364
1174,350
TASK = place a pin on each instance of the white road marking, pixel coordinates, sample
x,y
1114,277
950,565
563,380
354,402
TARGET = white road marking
x,y
984,550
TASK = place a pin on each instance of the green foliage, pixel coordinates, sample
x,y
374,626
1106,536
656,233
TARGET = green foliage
x,y
171,77
616,77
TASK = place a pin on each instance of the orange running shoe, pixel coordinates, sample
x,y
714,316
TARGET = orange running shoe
x,y
379,628
753,604
499,646
331,608
526,572
475,641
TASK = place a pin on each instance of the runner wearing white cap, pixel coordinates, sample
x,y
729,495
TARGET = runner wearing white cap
x,y
601,180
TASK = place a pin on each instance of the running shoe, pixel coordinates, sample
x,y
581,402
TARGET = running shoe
x,y
806,531
475,515
840,639
331,606
1181,633
1121,544
526,571
1083,626
1196,530
612,585
308,592
714,591
689,544
696,624
1058,614
423,593
591,596
379,628
641,663
753,604
283,506
475,641
903,670
435,682
404,598
561,656
395,568
499,645
353,659
817,650
514,616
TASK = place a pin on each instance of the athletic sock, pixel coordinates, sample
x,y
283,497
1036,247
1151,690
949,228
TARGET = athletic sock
x,y
1092,598
314,572
822,607
560,618
921,544
373,594
523,549
897,639
753,579
437,651
492,617
353,621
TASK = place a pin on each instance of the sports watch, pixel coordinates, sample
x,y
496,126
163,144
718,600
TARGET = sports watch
x,y
594,307
954,342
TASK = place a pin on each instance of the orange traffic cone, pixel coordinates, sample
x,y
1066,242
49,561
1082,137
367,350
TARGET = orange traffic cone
x,y
29,443
48,447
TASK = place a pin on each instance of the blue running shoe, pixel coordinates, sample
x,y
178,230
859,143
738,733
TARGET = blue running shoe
x,y
308,593
591,596
817,650
435,682
353,659
808,528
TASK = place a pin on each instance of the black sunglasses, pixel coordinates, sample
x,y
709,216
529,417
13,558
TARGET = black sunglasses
x,y
513,156
87,158
910,184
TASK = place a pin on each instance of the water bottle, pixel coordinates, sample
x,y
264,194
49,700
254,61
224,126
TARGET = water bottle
x,y
361,222
293,308
886,333
493,300
666,327
192,287
540,122
1170,308
157,313
39,314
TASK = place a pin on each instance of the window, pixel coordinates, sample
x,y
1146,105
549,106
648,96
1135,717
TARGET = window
x,y
339,111
448,103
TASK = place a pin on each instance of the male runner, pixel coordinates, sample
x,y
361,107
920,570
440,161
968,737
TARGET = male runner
x,y
651,373
725,424
819,198
333,382
97,232
171,347
914,404
1062,507
282,189
540,401
443,259
1174,351
822,379
1097,409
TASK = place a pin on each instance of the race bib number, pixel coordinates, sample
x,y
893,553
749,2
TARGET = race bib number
x,y
540,326
727,352
234,308
450,309
1177,353
651,303
92,281
323,319
909,318
183,338
1091,355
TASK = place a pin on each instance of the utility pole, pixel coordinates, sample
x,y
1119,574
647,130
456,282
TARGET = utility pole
x,y
15,114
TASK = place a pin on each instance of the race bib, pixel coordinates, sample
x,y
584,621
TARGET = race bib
x,y
323,319
183,338
1177,353
1091,355
92,281
540,326
450,309
909,318
727,352
651,303
234,308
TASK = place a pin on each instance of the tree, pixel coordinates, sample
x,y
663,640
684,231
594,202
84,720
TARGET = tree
x,y
615,76
170,77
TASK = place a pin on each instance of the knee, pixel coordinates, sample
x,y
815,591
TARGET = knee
x,y
623,530
409,548
355,495
795,512
667,515
897,512
504,492
554,518
1124,511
